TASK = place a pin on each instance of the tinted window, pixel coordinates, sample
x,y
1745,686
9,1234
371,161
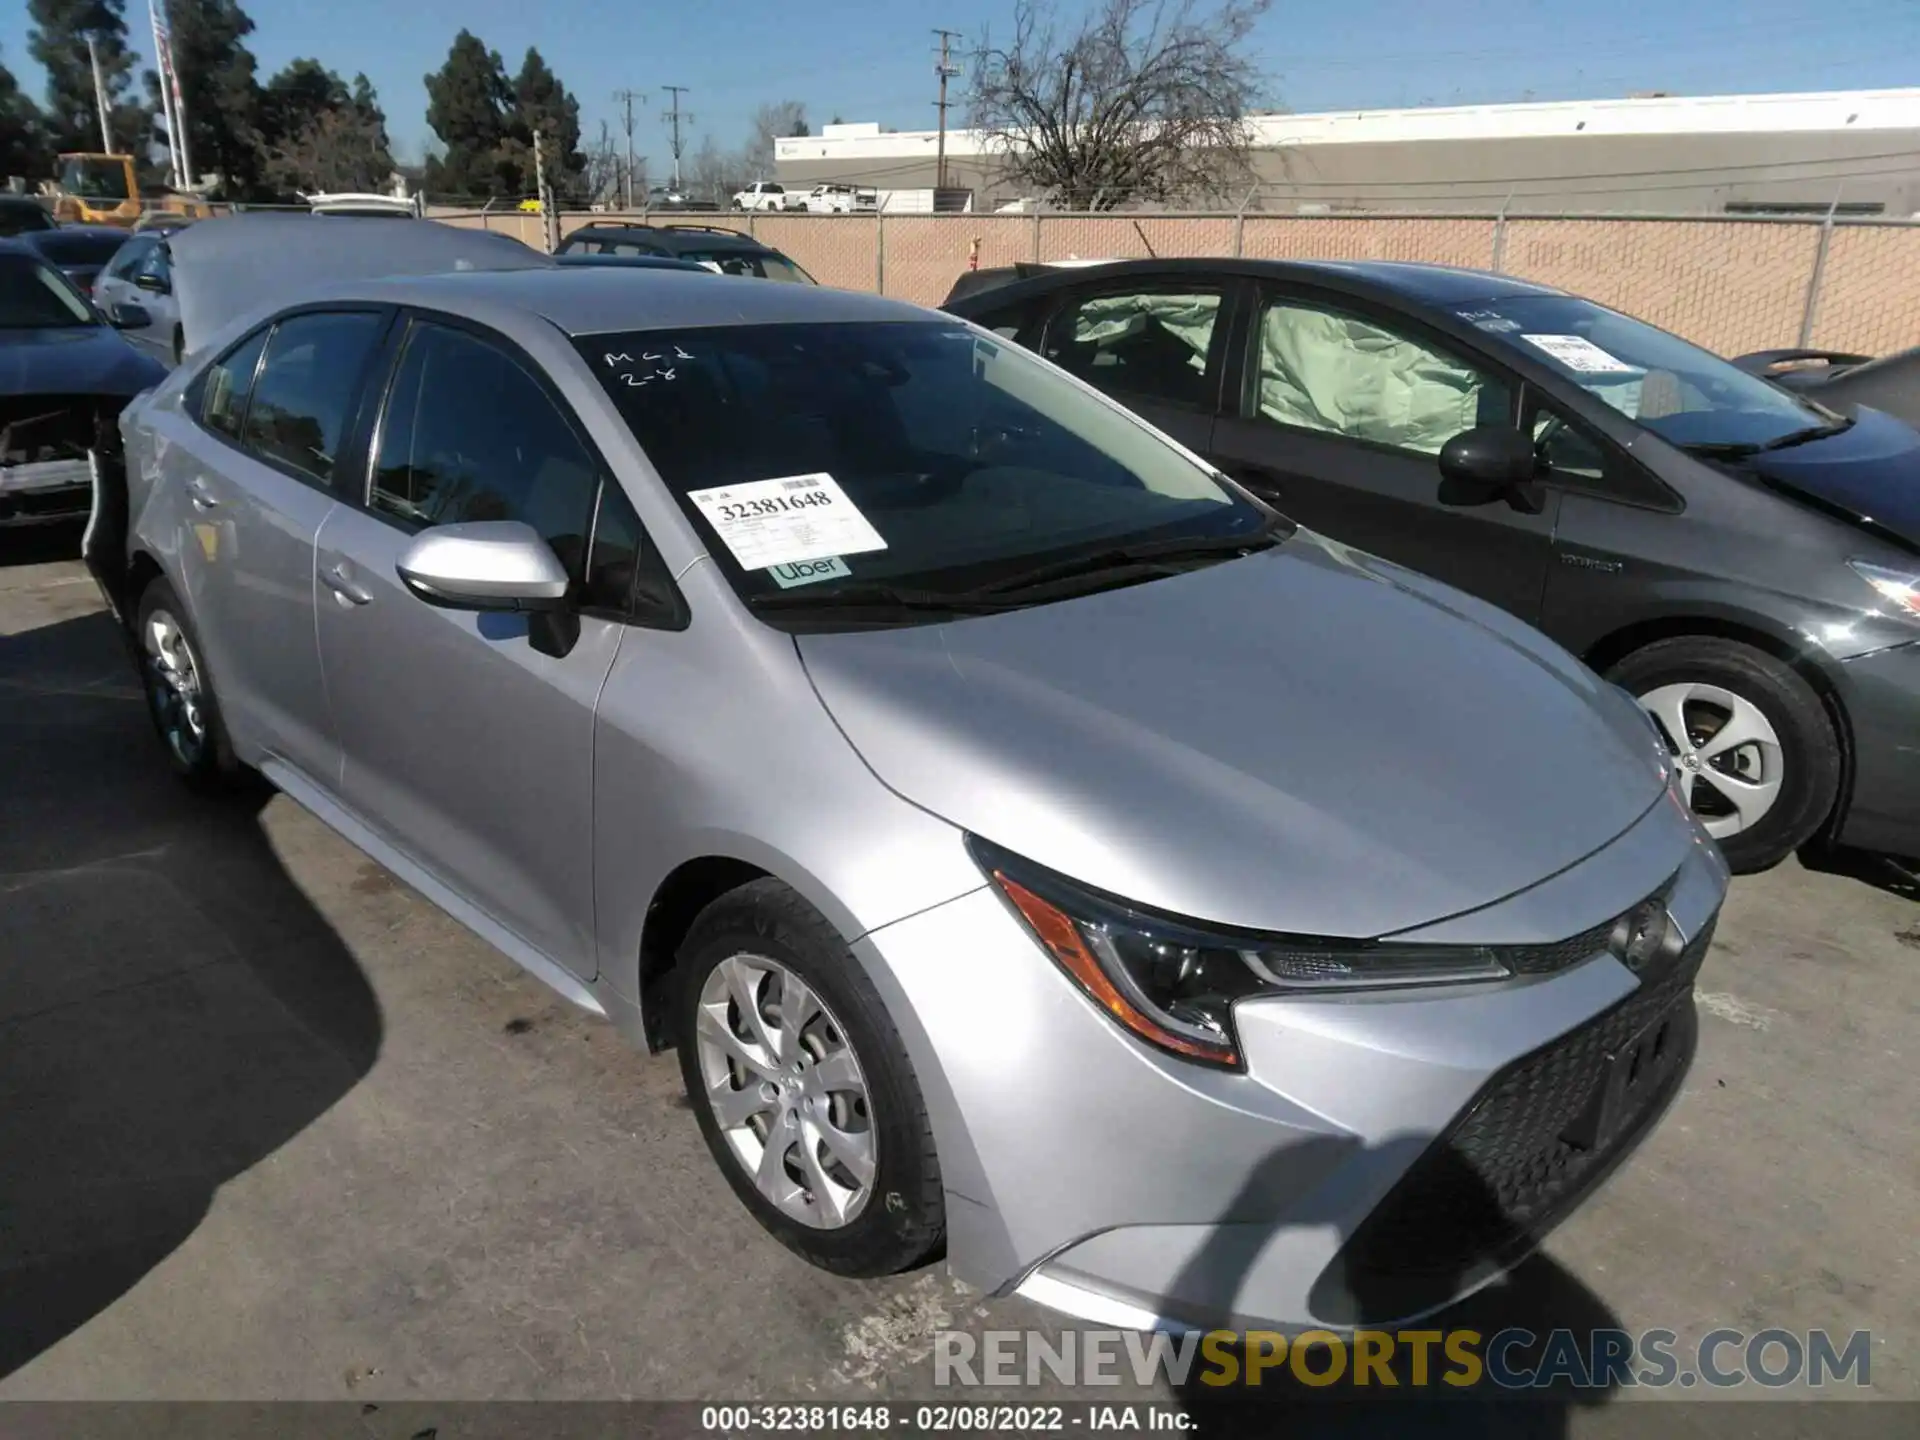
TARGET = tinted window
x,y
227,384
305,389
1152,345
1321,369
17,217
78,247
34,296
469,435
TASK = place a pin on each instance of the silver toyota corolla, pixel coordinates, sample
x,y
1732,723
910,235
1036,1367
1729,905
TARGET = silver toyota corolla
x,y
1030,843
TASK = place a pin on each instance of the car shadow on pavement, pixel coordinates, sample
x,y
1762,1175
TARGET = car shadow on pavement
x,y
172,1006
1437,1393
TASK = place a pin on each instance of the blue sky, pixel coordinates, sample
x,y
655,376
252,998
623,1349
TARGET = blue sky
x,y
868,61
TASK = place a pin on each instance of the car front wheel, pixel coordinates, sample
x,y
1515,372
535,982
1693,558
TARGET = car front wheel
x,y
804,1092
1757,757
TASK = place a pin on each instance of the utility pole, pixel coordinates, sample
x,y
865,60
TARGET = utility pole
x,y
946,72
673,117
626,98
100,96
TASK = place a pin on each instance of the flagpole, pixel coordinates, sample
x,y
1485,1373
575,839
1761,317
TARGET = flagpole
x,y
164,61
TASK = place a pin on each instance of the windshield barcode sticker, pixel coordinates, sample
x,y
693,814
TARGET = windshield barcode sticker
x,y
1576,352
786,521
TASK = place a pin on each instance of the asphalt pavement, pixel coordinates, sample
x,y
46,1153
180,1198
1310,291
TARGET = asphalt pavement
x,y
271,1126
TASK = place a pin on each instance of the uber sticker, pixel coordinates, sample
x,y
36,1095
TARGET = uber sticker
x,y
806,572
786,520
1576,352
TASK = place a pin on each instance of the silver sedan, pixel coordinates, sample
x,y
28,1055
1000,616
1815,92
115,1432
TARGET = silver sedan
x,y
1031,843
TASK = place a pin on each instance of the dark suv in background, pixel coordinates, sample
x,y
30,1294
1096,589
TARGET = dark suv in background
x,y
717,248
1743,560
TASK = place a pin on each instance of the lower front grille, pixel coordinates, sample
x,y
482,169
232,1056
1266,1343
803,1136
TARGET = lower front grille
x,y
1536,1139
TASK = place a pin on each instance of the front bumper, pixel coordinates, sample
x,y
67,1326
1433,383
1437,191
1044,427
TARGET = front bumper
x,y
1381,1156
1880,693
45,491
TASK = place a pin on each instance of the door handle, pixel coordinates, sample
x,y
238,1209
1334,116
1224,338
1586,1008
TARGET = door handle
x,y
339,579
201,494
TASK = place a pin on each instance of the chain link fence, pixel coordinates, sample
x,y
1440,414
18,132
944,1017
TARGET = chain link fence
x,y
1731,284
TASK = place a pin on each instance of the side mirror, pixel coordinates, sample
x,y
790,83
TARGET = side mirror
x,y
123,315
494,565
153,283
1489,463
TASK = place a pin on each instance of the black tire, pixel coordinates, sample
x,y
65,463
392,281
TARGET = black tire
x,y
179,346
903,1220
205,763
1809,749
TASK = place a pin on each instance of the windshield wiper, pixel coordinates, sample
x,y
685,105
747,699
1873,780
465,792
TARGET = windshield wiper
x,y
873,595
1734,450
1122,559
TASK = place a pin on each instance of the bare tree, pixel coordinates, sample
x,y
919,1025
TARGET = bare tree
x,y
1135,100
713,173
778,121
606,175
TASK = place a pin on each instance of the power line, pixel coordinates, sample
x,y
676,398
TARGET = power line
x,y
674,116
945,71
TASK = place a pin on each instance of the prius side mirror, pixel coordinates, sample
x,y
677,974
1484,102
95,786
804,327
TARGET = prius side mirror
x,y
125,315
495,565
1490,463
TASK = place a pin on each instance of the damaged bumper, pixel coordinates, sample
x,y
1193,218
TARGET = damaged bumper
x,y
47,444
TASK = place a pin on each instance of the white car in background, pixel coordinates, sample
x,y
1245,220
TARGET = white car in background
x,y
767,195
840,200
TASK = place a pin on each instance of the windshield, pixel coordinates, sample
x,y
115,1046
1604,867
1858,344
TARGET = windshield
x,y
909,455
1677,390
35,296
78,247
763,264
18,217
94,178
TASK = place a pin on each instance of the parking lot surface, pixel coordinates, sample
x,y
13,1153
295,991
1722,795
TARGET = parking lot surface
x,y
273,1127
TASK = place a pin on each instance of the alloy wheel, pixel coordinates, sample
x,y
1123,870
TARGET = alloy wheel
x,y
174,688
1726,753
786,1090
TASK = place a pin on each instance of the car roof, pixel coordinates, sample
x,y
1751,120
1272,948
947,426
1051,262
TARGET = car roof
x,y
1401,280
598,300
705,237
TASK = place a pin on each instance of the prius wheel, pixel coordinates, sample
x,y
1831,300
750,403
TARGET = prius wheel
x,y
179,695
802,1087
1757,758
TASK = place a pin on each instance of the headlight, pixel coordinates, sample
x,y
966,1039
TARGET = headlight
x,y
1173,983
1902,587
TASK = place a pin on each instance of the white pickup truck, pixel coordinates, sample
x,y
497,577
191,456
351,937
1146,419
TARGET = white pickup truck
x,y
767,195
840,200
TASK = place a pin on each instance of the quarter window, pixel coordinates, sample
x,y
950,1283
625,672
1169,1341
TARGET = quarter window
x,y
305,390
1151,345
228,383
469,435
1319,369
131,256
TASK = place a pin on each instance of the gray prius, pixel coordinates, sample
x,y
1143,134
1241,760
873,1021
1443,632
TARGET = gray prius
x,y
1035,847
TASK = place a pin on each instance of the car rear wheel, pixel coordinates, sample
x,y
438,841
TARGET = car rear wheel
x,y
1757,756
802,1087
180,697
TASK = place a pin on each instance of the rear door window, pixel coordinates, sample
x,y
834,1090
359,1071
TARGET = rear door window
x,y
1155,344
303,396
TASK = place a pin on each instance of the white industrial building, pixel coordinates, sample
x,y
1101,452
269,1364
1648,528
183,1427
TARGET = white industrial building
x,y
1855,150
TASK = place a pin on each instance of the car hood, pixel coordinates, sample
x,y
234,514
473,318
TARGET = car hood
x,y
1870,472
1308,740
231,266
80,359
